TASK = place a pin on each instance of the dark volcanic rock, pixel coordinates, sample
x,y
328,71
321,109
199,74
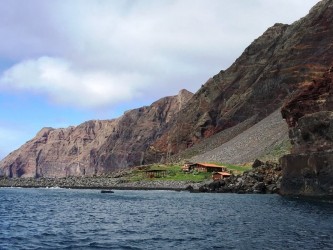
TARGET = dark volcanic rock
x,y
257,163
308,174
263,179
308,170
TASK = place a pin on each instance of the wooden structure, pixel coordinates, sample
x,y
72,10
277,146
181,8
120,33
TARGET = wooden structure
x,y
220,175
155,173
188,167
208,167
203,167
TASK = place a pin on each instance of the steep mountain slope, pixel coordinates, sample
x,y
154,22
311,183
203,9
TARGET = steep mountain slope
x,y
135,131
94,147
257,83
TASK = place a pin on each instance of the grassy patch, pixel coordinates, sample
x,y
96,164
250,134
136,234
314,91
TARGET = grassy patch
x,y
173,173
235,169
194,177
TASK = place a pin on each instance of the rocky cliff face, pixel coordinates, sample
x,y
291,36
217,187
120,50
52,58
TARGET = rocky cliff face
x,y
94,147
258,82
308,170
136,131
57,152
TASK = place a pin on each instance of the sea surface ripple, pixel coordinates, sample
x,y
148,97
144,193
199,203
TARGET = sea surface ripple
x,y
88,219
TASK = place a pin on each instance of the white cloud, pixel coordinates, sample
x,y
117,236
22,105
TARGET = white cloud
x,y
62,83
97,53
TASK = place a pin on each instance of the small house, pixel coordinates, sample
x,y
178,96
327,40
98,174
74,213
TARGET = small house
x,y
188,167
155,173
220,175
203,167
208,167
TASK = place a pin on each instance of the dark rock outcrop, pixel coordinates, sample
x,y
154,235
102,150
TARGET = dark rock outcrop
x,y
308,170
265,178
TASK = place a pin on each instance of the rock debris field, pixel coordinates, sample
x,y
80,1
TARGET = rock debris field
x,y
253,143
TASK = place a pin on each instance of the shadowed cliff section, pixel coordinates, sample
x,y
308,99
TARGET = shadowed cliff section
x,y
257,83
94,147
308,170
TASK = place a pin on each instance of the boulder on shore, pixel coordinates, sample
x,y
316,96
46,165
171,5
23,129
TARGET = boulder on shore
x,y
265,178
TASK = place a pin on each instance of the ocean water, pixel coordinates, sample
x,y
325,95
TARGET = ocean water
x,y
88,219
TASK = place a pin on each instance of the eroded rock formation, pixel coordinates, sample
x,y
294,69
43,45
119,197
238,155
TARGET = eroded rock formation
x,y
308,170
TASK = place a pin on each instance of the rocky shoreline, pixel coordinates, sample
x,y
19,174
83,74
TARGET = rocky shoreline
x,y
263,178
96,183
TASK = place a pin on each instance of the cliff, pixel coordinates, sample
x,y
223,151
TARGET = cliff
x,y
94,147
308,170
257,83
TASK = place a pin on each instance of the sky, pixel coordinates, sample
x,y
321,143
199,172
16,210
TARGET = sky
x,y
66,62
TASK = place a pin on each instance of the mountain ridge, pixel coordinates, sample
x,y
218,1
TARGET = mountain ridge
x,y
258,82
80,150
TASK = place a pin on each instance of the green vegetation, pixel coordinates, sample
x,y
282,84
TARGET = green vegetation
x,y
235,169
277,151
173,173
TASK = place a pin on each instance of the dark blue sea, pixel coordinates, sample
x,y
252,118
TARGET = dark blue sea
x,y
88,219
